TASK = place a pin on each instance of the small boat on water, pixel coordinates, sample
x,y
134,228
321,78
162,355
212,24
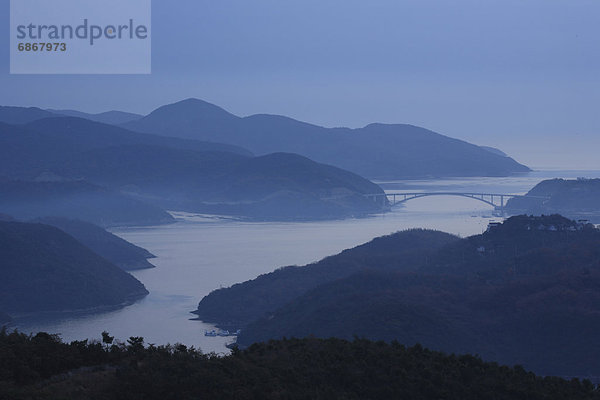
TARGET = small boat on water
x,y
224,333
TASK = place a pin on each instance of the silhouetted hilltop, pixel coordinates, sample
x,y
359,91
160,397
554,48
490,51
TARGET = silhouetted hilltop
x,y
77,200
116,250
42,367
23,115
375,151
44,269
494,150
245,302
109,117
181,174
525,292
87,135
185,114
578,198
52,144
521,246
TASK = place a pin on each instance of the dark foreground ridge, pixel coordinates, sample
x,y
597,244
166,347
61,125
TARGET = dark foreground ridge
x,y
42,367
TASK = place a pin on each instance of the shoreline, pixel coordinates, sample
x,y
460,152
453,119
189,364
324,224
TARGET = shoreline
x,y
59,314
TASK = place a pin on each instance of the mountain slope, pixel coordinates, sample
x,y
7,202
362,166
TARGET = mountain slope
x,y
180,118
377,305
89,135
109,117
578,198
522,293
23,115
45,145
116,250
284,186
494,150
170,178
44,269
245,302
375,151
181,174
77,200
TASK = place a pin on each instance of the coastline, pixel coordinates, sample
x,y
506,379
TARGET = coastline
x,y
60,314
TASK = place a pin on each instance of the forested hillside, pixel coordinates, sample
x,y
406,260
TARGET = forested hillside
x,y
575,198
42,367
116,250
243,303
45,269
525,292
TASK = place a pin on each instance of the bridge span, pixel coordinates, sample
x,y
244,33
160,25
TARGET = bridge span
x,y
496,200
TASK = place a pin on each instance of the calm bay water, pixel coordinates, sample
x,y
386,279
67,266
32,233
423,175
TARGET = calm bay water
x,y
201,253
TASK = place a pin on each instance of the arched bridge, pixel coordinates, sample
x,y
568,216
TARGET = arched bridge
x,y
496,200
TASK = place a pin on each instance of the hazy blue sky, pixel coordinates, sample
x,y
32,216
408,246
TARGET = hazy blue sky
x,y
522,75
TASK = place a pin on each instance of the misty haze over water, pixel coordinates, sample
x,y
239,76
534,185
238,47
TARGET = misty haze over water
x,y
311,199
201,253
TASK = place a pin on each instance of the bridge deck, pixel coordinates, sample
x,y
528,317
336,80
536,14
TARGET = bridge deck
x,y
494,199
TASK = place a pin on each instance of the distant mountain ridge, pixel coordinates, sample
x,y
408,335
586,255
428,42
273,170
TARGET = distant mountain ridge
x,y
23,115
177,174
33,148
108,117
375,151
